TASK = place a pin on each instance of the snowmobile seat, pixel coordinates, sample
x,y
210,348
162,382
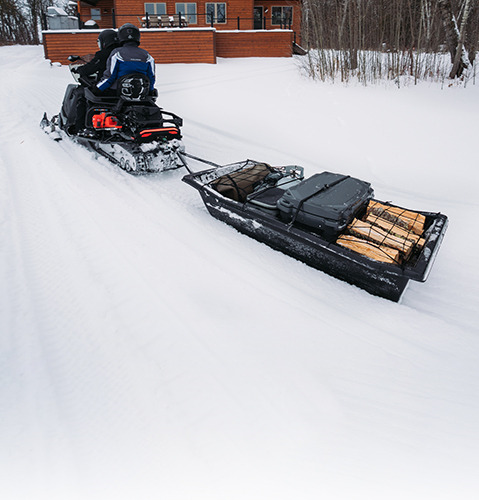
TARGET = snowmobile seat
x,y
100,98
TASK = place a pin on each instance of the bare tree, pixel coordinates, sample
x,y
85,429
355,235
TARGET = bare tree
x,y
460,61
20,20
36,9
14,25
471,37
454,39
404,33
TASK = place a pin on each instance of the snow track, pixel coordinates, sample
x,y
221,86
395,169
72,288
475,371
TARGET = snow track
x,y
149,351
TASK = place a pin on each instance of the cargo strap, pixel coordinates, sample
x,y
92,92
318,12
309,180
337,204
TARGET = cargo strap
x,y
324,188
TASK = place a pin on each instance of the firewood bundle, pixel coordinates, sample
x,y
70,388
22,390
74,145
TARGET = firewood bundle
x,y
386,233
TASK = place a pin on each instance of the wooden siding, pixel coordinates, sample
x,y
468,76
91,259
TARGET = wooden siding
x,y
172,46
180,45
58,45
276,43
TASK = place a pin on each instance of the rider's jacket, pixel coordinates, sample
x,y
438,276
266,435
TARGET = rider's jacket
x,y
125,60
97,65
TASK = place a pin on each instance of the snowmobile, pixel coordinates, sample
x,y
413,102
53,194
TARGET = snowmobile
x,y
332,222
127,128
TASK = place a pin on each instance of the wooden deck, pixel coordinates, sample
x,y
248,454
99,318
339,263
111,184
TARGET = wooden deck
x,y
185,45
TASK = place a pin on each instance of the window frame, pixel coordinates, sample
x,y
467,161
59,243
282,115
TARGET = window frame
x,y
282,8
155,8
188,16
97,15
215,4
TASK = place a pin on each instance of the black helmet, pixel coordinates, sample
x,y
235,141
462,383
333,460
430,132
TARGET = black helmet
x,y
129,33
107,38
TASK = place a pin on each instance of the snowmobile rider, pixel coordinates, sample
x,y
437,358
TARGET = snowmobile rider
x,y
128,58
107,41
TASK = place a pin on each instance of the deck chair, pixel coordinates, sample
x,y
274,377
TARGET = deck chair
x,y
153,21
176,21
165,21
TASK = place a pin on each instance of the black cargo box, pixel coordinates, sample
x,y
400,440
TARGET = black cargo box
x,y
327,202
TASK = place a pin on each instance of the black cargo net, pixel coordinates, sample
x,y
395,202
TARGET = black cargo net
x,y
239,184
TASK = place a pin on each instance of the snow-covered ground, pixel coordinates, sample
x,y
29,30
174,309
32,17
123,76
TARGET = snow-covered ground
x,y
149,351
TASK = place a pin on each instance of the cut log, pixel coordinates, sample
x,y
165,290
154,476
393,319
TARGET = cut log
x,y
367,231
369,249
396,230
406,219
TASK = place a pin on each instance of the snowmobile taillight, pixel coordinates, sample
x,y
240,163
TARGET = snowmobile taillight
x,y
168,130
105,121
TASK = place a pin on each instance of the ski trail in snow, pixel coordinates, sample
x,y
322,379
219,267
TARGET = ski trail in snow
x,y
143,341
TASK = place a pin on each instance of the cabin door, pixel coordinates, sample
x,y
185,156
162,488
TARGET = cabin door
x,y
258,18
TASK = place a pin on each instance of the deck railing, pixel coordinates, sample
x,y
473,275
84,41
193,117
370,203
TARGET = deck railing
x,y
211,20
145,21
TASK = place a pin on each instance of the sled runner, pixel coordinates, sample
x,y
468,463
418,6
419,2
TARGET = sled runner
x,y
329,221
128,128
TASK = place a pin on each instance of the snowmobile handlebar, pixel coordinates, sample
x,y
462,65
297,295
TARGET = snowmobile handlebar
x,y
77,62
86,81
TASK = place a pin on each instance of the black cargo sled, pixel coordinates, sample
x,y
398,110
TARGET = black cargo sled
x,y
126,127
329,221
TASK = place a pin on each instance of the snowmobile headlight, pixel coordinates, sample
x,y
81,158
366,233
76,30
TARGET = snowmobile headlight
x,y
99,43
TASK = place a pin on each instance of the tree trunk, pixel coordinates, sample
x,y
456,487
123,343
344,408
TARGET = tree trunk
x,y
471,38
453,38
353,29
460,61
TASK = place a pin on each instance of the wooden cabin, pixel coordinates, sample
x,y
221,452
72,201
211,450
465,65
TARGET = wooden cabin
x,y
191,32
227,15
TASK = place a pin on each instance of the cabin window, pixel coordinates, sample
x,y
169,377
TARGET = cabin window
x,y
216,12
95,14
281,15
187,10
158,9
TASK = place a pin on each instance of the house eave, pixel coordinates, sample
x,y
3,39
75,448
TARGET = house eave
x,y
90,2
